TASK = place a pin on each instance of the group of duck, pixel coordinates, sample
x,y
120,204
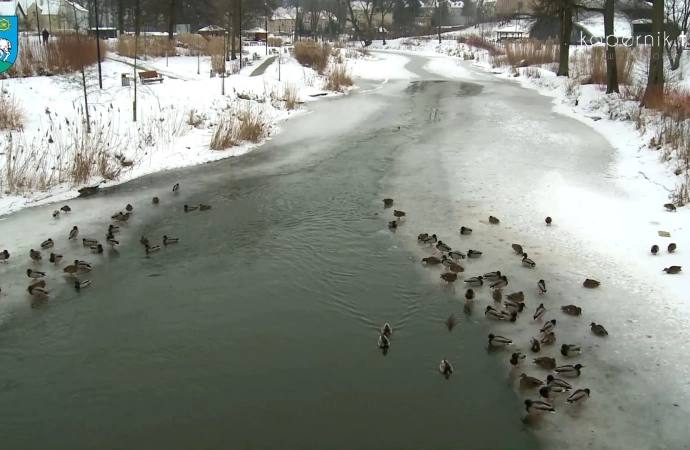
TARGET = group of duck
x,y
37,288
507,308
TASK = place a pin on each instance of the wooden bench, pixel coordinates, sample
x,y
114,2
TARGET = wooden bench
x,y
150,76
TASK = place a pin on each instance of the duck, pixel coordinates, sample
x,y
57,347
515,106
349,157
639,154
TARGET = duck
x,y
129,208
469,295
71,269
672,247
392,224
493,275
529,382
548,327
599,330
151,249
497,295
465,231
190,208
545,362
517,248
572,310
56,214
539,313
66,208
144,241
55,258
548,339
203,207
89,242
541,285
112,229
516,296
499,341
4,256
517,358
551,391
442,247
449,277
125,217
117,216
111,241
451,322
83,265
673,270
456,255
446,261
430,239
38,283
655,249
176,187
475,281
589,283
73,233
170,240
579,396
510,316
35,274
569,370
399,214
514,306
548,221
386,329
446,368
474,253
493,220
38,292
155,200
500,284
387,202
98,248
492,313
384,342
550,379
535,346
527,262
568,349
422,236
48,243
431,261
670,207
537,407
34,255
81,284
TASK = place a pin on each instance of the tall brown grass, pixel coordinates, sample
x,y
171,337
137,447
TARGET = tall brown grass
x,y
246,123
61,56
527,53
11,113
290,96
477,42
338,78
146,46
275,42
314,55
589,65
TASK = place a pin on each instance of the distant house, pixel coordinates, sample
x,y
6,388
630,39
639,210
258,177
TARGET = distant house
x,y
361,10
509,8
212,30
283,21
54,15
455,15
13,8
588,28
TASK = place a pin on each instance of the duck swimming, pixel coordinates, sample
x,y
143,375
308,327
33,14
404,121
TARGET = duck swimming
x,y
203,207
111,241
517,358
445,367
499,341
451,322
384,342
541,285
465,231
151,249
475,281
386,329
190,208
527,262
170,240
81,284
73,233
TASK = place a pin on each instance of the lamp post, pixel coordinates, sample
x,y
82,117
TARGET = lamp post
x,y
98,46
438,5
266,23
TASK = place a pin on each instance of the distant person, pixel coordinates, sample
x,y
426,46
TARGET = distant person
x,y
45,35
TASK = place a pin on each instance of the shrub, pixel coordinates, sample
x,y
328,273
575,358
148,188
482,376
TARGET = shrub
x,y
528,53
290,96
245,124
589,64
477,42
275,42
338,78
147,46
11,114
312,54
61,56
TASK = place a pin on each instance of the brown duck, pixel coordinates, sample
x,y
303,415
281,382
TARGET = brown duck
x,y
670,207
548,339
431,261
449,277
422,236
203,207
451,321
673,270
572,310
155,200
545,362
493,220
144,241
672,247
516,297
655,249
399,214
548,221
527,382
591,284
387,202
599,330
517,248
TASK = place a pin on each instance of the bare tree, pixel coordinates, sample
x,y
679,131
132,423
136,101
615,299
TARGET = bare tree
x,y
678,14
171,18
77,26
368,7
314,11
385,7
655,79
563,10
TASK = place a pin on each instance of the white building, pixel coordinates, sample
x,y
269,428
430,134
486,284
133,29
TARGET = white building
x,y
53,15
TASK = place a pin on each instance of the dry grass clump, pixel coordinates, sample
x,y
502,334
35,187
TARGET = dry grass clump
x,y
589,65
275,42
63,55
146,46
527,53
11,113
290,95
338,78
246,123
191,41
312,54
477,42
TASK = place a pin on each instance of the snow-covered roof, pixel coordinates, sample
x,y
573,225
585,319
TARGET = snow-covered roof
x,y
284,14
594,25
212,28
517,26
256,30
50,6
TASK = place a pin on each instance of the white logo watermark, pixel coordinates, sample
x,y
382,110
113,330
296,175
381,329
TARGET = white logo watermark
x,y
615,41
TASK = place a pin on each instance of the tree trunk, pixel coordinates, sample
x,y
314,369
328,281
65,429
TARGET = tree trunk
x,y
566,16
233,55
121,16
611,63
383,33
137,18
655,80
171,19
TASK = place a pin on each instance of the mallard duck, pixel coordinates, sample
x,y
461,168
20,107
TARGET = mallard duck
x,y
151,249
38,291
170,240
117,216
475,281
569,370
446,368
98,248
125,217
129,208
387,202
155,200
537,407
111,241
569,349
499,341
541,285
176,187
558,382
83,265
492,275
510,316
572,310
474,254
66,209
492,313
493,220
422,236
112,229
517,358
527,262
516,296
431,261
398,214
497,295
449,277
549,338
545,362
456,255
56,214
35,274
514,306
517,248
392,224
144,241
529,382
599,330
469,295
384,342
38,283
548,221
548,327
579,396
673,270
655,249
71,270
190,208
88,242
591,284
73,233
672,247
500,284
535,345
442,247
203,207
551,391
539,313
670,207
446,261
81,284
48,243
386,329
55,258
451,321
35,256
465,231
430,239
4,256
